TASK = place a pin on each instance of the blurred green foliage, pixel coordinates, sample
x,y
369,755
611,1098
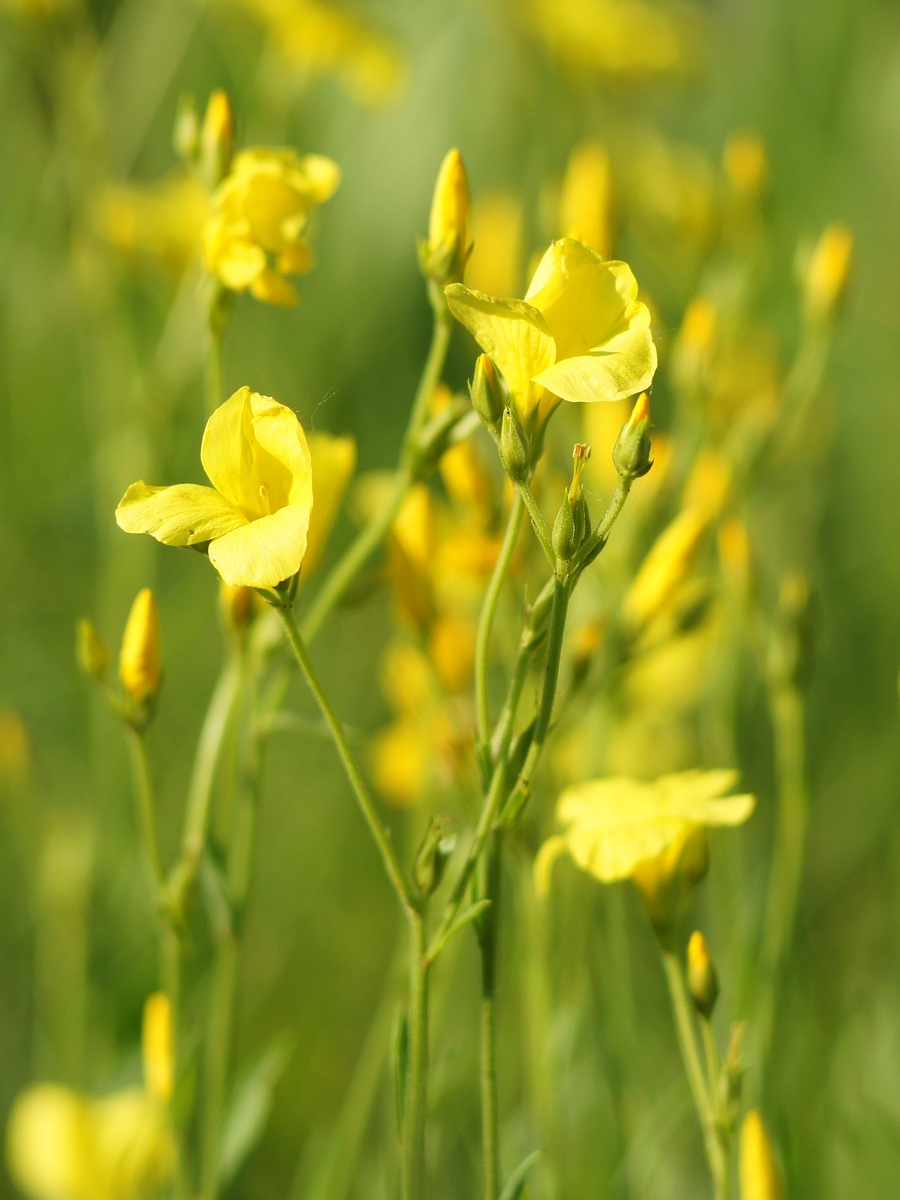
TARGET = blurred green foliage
x,y
84,395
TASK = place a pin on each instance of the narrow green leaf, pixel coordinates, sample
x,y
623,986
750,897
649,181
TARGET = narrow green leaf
x,y
251,1103
515,1185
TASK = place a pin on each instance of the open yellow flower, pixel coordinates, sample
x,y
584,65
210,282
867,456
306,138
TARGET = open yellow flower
x,y
580,333
612,826
253,521
255,236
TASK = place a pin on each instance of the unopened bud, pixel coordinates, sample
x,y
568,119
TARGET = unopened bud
x,y
434,854
140,662
702,981
488,392
514,447
631,453
186,132
240,606
827,273
217,138
444,255
91,653
565,535
157,1047
758,1171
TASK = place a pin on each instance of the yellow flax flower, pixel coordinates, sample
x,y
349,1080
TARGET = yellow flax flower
x,y
255,236
67,1145
333,461
580,333
253,521
614,826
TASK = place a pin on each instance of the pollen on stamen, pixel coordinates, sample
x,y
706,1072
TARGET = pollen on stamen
x,y
264,496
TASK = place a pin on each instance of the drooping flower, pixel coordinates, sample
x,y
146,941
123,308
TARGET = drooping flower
x,y
253,521
255,236
614,826
580,333
68,1145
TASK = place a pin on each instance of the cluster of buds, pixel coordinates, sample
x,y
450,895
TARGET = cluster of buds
x,y
572,526
140,661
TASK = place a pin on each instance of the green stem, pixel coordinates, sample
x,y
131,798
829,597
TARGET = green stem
x,y
345,570
215,727
787,709
498,789
143,790
526,495
488,614
413,1172
367,806
600,536
690,1056
487,944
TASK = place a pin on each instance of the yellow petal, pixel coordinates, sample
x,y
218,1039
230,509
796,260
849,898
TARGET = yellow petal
x,y
585,299
255,453
264,552
48,1144
623,366
185,514
235,260
271,288
512,333
544,862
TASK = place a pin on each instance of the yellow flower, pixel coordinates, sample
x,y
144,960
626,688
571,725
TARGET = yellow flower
x,y
161,221
67,1145
827,273
497,230
666,566
333,460
614,826
446,250
254,237
254,520
580,333
585,201
157,1046
320,39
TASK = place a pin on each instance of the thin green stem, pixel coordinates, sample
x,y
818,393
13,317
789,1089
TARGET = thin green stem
x,y
690,1055
541,529
380,834
413,1167
357,554
787,710
487,944
600,536
143,790
216,723
712,1059
488,614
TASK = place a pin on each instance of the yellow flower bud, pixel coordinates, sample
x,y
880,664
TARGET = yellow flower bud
x,y
666,566
92,654
746,164
827,273
446,250
668,881
157,1047
631,453
217,138
140,664
758,1171
584,204
702,981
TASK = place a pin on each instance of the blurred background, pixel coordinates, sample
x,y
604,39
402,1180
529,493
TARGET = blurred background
x,y
101,383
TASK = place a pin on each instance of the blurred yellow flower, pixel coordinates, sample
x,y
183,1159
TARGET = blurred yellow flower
x,y
497,227
333,461
626,38
580,333
15,752
255,235
666,566
67,1145
162,222
613,826
322,39
254,520
585,202
759,1175
827,272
